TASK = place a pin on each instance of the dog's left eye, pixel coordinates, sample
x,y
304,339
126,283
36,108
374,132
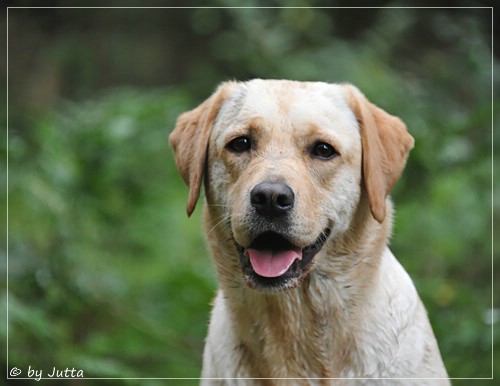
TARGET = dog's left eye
x,y
239,145
323,151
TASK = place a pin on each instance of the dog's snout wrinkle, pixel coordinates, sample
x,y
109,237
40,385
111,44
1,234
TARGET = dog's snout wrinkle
x,y
272,199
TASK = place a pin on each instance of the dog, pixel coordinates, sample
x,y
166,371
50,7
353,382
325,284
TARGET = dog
x,y
297,177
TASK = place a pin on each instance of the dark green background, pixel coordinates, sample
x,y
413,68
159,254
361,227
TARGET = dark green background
x,y
107,274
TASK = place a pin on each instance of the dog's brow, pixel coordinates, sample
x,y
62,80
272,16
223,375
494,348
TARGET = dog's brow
x,y
315,130
256,123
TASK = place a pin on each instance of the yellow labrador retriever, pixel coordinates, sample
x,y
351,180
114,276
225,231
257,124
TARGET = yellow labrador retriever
x,y
297,177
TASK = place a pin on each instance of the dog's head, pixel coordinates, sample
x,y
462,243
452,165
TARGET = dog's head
x,y
286,164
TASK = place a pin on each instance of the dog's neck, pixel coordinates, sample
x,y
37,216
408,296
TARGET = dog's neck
x,y
318,315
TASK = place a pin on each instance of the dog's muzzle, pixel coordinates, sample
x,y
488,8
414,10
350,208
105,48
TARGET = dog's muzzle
x,y
272,261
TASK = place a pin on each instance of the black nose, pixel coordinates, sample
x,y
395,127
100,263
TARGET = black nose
x,y
272,199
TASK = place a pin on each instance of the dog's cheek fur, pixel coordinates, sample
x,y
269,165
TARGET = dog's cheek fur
x,y
216,184
336,188
223,171
344,200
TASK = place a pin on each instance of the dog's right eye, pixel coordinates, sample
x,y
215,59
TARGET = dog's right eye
x,y
239,145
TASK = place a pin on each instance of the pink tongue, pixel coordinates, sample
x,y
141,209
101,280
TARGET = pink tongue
x,y
270,263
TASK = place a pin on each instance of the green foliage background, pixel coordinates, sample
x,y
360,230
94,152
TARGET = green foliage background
x,y
105,271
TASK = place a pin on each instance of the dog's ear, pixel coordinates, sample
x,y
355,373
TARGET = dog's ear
x,y
386,144
189,139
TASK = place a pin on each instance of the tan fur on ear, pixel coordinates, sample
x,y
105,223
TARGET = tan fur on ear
x,y
189,139
386,144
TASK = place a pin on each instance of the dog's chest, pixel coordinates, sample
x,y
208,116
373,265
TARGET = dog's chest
x,y
293,337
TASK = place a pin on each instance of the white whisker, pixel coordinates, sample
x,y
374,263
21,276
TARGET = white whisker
x,y
226,217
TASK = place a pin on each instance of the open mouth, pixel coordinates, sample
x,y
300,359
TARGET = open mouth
x,y
272,262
